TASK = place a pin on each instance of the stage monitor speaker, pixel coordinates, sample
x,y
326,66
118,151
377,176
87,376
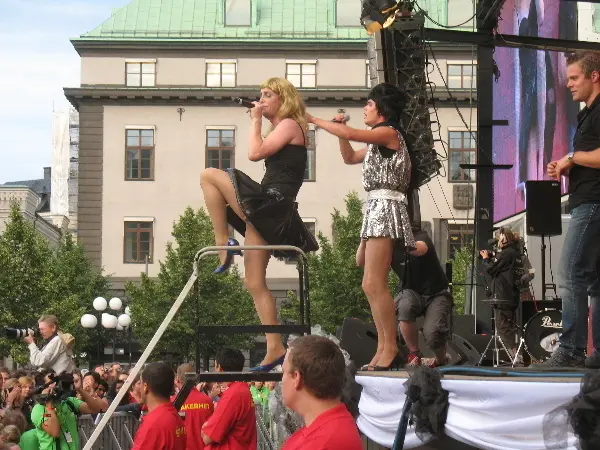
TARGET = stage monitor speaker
x,y
359,340
542,200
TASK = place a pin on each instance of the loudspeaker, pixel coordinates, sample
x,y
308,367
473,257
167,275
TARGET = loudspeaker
x,y
542,200
463,324
464,351
359,340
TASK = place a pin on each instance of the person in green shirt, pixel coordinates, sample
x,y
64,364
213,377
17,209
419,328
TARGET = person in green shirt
x,y
56,422
260,394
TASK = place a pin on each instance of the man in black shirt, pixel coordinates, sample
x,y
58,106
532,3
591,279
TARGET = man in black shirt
x,y
424,293
578,275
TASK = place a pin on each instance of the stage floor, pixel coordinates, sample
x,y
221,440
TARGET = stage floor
x,y
489,408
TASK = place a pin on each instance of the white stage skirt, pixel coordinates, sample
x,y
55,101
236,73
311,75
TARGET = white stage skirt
x,y
489,413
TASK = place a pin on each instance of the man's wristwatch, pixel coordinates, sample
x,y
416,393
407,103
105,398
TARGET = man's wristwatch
x,y
570,157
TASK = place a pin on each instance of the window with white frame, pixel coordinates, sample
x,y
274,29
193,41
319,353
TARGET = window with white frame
x,y
461,150
140,73
311,157
220,148
347,13
138,241
462,76
302,74
238,12
221,73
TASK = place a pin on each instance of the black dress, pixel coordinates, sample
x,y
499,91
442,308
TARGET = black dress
x,y
271,205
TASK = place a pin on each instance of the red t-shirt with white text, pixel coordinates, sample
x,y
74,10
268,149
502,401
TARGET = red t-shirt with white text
x,y
161,429
334,429
233,424
195,411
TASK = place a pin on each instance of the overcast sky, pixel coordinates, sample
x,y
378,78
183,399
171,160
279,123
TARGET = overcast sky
x,y
36,62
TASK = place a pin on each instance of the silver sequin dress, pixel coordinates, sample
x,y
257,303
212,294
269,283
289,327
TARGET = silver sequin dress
x,y
386,180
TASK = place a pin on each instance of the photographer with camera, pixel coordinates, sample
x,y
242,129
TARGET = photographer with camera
x,y
54,353
499,272
55,415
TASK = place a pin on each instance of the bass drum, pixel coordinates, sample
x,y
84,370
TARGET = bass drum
x,y
542,332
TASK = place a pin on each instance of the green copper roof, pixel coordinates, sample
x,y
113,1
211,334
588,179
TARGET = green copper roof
x,y
308,20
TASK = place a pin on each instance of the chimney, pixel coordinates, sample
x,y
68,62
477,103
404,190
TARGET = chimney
x,y
47,173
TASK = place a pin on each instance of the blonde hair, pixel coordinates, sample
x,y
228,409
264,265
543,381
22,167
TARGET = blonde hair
x,y
49,319
292,105
11,434
26,381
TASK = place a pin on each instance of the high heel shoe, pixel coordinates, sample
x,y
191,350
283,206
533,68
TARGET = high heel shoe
x,y
268,367
395,364
231,242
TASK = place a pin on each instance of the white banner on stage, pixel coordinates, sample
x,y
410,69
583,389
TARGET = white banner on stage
x,y
489,414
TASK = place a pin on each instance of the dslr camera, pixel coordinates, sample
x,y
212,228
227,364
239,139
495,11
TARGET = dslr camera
x,y
20,333
65,388
492,248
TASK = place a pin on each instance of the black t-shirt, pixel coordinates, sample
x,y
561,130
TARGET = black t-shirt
x,y
584,182
424,274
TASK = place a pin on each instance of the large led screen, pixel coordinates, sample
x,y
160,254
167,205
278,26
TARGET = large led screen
x,y
531,94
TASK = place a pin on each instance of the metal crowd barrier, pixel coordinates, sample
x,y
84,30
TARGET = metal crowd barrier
x,y
118,434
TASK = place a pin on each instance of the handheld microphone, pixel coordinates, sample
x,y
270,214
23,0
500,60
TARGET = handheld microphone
x,y
242,102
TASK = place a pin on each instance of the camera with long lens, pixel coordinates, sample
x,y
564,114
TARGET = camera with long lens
x,y
65,388
20,333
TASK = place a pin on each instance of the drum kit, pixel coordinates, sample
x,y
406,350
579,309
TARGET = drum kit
x,y
539,338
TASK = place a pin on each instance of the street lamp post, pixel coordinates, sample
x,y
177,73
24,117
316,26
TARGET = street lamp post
x,y
108,321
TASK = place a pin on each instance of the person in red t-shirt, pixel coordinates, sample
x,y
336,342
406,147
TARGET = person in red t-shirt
x,y
195,411
233,424
314,374
161,428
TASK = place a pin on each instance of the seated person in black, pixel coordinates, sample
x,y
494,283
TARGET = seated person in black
x,y
499,273
424,292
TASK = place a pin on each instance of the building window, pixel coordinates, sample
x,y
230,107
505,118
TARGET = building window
x,y
462,76
302,74
461,151
220,74
238,12
311,225
139,154
311,160
220,148
459,236
139,242
347,13
140,74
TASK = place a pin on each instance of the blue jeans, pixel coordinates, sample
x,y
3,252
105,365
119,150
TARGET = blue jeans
x,y
578,278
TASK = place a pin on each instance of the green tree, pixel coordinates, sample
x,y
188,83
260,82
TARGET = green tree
x,y
24,260
335,280
72,285
222,299
461,261
36,279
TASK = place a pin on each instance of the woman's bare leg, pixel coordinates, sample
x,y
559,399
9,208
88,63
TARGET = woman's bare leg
x,y
218,193
378,257
255,265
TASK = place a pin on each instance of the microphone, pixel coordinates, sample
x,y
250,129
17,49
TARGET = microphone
x,y
242,102
346,119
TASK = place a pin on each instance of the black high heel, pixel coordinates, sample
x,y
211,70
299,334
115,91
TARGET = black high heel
x,y
231,242
395,364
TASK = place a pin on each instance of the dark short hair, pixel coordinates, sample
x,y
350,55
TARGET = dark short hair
x,y
321,364
389,101
230,359
183,369
104,384
94,375
160,379
589,61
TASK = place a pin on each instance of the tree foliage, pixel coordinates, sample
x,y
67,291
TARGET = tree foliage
x,y
36,279
222,299
461,261
335,280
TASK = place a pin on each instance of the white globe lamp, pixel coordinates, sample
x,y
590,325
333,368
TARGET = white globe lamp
x,y
89,321
109,321
115,303
100,303
128,310
124,320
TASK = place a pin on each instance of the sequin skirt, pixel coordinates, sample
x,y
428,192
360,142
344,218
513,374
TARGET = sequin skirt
x,y
387,216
